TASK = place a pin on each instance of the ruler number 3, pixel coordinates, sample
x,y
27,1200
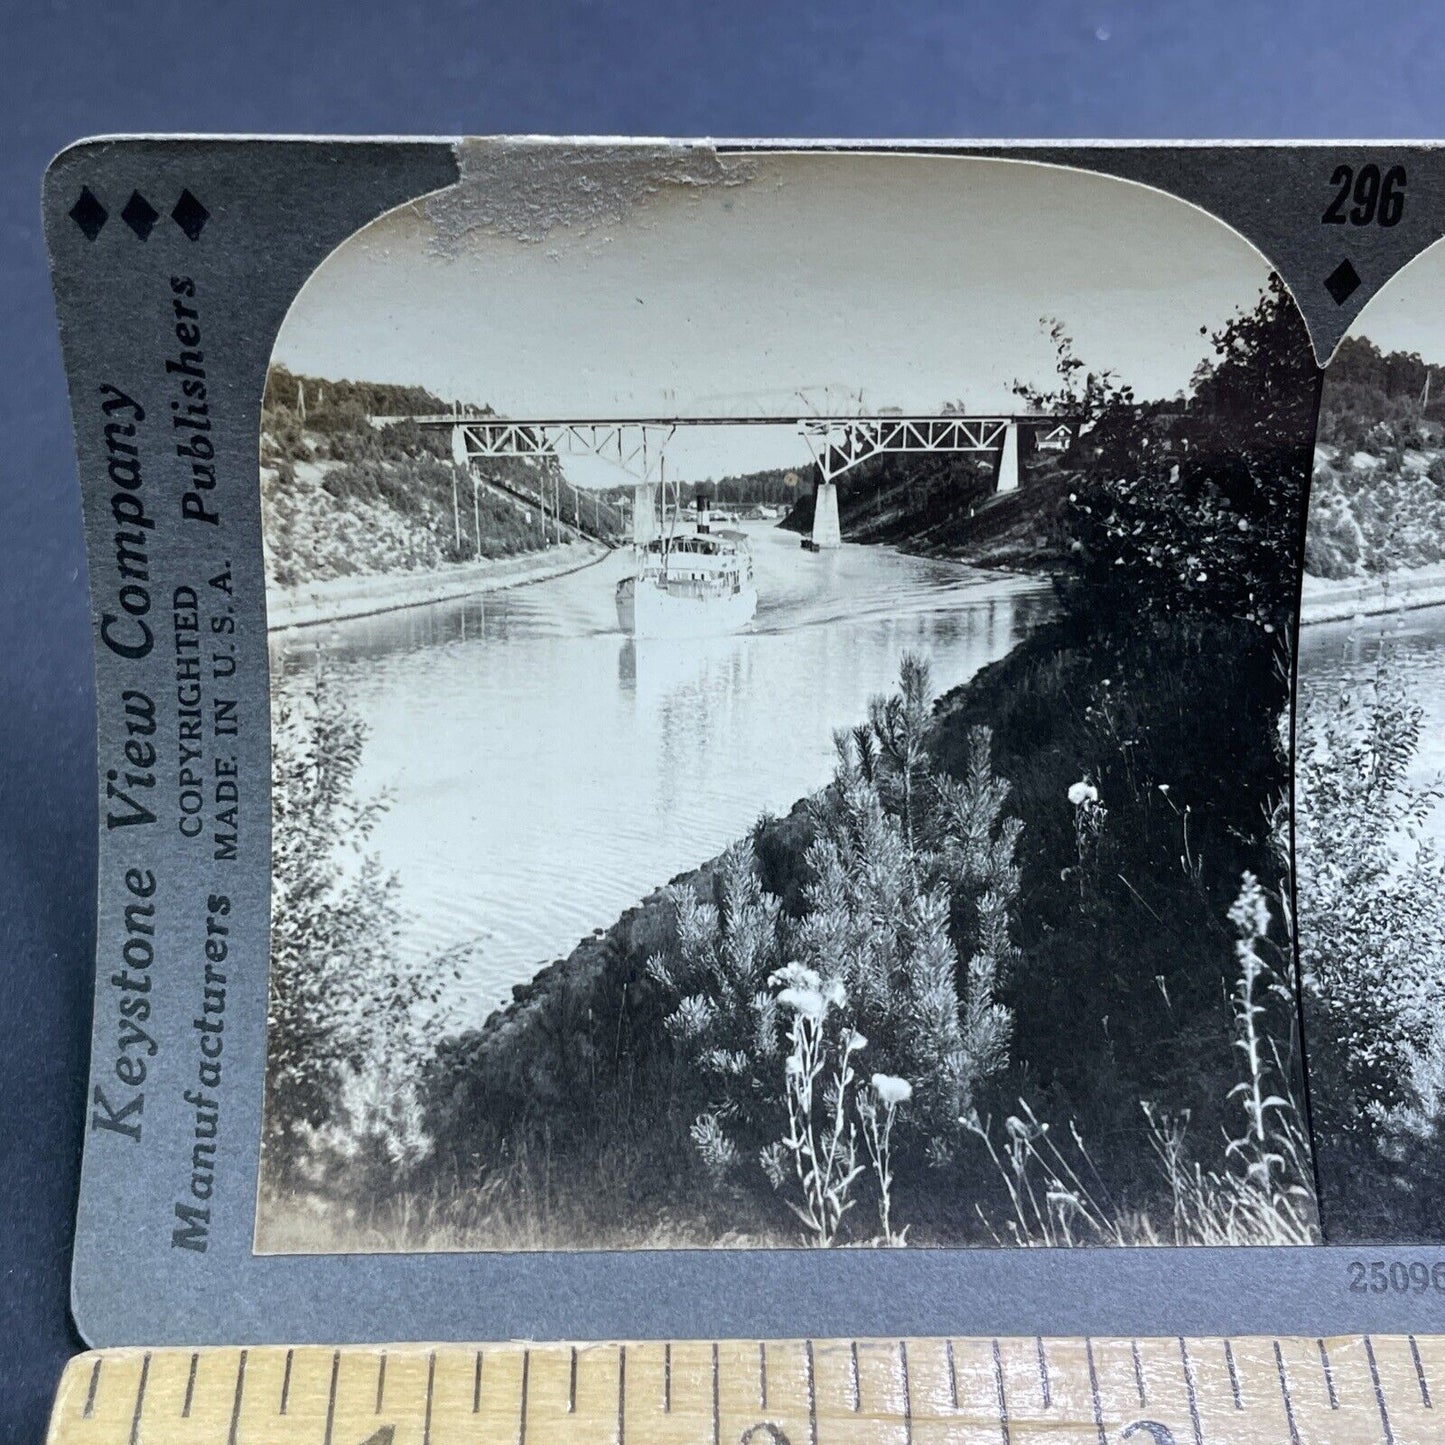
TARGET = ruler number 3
x,y
1378,197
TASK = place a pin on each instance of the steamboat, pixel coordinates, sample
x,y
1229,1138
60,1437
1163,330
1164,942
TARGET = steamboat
x,y
696,583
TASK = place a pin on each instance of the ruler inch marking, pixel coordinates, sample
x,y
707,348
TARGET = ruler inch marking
x,y
140,1397
907,1393
522,1411
1093,1390
1379,1392
812,1395
1420,1373
998,1387
1359,1383
1329,1375
90,1392
621,1392
431,1385
1190,1390
1285,1396
1233,1376
236,1402
716,1402
331,1396
191,1386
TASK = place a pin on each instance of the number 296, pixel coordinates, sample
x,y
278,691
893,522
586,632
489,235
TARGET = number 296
x,y
1366,197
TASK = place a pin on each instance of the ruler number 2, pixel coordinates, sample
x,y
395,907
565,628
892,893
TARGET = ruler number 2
x,y
1366,196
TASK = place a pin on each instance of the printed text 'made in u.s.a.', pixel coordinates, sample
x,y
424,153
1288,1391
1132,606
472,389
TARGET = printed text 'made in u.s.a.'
x,y
153,966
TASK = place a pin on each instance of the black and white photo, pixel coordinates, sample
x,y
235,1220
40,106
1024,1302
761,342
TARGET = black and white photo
x,y
1370,768
780,699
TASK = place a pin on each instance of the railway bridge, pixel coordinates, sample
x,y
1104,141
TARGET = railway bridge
x,y
638,446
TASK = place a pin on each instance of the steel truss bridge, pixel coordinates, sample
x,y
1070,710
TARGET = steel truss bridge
x,y
638,446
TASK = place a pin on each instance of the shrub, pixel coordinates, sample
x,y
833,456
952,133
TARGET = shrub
x,y
1262,1194
770,1010
1195,510
339,1003
1371,927
392,494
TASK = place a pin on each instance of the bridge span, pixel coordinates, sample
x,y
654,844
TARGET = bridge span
x,y
638,446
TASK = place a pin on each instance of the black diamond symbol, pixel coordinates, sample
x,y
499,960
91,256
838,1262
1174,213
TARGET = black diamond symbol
x,y
88,213
1342,282
140,215
190,215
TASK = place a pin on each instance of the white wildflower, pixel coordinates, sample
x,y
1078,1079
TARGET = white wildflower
x,y
797,975
806,1001
1083,792
891,1090
1249,913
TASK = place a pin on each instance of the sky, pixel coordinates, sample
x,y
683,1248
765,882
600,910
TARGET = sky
x,y
906,281
1408,314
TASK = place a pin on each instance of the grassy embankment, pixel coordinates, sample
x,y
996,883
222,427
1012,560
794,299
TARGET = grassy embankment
x,y
565,1120
945,506
1371,878
341,498
1025,917
1377,501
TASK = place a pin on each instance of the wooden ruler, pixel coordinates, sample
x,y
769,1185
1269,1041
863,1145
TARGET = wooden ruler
x,y
1287,1391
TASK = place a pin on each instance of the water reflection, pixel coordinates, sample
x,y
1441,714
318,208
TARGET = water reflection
x,y
544,772
1337,656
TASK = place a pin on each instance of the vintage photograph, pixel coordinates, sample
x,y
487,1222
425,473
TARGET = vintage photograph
x,y
781,673
1371,769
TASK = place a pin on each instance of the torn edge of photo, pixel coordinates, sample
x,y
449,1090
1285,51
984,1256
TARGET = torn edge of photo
x,y
761,737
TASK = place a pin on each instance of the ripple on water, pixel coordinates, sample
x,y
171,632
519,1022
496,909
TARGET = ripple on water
x,y
1339,656
545,773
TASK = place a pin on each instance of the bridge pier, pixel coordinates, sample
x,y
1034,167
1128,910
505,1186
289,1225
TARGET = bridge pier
x,y
1008,460
644,513
826,531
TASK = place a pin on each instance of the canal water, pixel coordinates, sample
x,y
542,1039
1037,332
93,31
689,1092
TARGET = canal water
x,y
1341,656
545,772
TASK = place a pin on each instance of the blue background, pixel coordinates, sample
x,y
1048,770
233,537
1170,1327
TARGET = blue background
x,y
1235,68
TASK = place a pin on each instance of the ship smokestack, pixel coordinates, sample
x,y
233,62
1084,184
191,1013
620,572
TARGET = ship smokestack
x,y
700,504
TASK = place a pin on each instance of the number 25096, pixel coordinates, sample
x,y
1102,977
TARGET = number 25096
x,y
1377,1277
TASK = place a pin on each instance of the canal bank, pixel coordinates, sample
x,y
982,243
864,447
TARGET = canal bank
x,y
1343,658
339,599
1406,589
543,772
588,1069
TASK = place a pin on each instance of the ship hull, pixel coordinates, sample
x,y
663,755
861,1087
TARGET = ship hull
x,y
646,610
